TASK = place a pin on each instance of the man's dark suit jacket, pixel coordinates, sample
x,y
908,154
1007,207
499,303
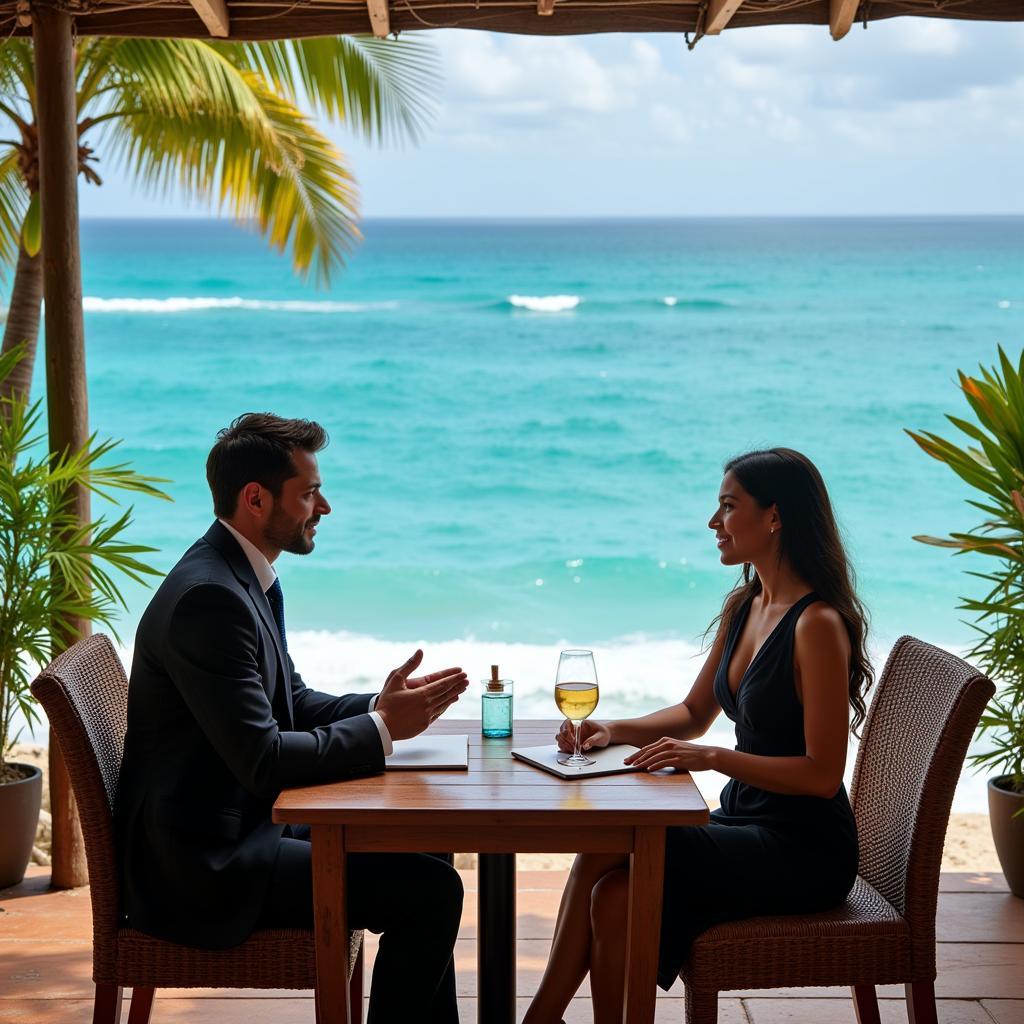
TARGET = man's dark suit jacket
x,y
219,722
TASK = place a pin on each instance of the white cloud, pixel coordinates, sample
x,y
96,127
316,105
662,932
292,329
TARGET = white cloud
x,y
894,89
670,124
776,122
513,74
930,36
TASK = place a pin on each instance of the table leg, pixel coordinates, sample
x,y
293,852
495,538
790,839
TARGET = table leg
x,y
330,924
496,939
643,929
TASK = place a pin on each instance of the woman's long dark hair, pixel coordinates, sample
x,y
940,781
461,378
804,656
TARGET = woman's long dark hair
x,y
810,541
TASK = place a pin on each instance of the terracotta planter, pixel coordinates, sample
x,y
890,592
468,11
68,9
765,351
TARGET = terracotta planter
x,y
1008,831
19,812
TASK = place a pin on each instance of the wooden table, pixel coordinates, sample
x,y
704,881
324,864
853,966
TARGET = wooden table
x,y
498,808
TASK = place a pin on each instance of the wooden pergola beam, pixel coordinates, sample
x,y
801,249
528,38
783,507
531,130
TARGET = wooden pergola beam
x,y
840,17
719,15
214,15
64,331
288,19
380,20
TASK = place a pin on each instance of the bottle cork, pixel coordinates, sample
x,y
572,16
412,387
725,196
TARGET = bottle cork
x,y
495,685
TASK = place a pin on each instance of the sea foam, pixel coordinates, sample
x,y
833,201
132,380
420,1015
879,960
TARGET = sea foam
x,y
545,303
192,304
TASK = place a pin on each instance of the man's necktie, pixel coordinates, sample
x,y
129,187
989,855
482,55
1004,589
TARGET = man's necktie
x,y
276,598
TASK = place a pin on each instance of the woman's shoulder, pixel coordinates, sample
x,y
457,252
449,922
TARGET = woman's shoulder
x,y
820,623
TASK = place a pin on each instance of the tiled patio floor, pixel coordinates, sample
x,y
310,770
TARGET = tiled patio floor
x,y
46,963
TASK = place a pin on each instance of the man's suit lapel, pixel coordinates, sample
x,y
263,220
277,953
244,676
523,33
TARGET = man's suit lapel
x,y
218,537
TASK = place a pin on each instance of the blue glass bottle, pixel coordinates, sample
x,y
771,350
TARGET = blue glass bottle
x,y
496,706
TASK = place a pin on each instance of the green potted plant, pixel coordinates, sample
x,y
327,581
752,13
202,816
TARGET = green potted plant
x,y
38,531
992,462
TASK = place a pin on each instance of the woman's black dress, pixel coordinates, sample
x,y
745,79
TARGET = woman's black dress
x,y
763,853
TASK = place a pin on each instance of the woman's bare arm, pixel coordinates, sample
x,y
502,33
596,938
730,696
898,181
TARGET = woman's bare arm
x,y
691,718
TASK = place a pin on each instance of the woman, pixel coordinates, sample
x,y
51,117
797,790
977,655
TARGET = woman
x,y
787,664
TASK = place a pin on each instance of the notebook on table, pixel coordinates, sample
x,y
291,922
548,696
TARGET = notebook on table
x,y
607,761
430,752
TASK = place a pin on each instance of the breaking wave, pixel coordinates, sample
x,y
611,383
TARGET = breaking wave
x,y
544,303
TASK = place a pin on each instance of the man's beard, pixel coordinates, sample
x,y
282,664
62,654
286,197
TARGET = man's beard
x,y
286,534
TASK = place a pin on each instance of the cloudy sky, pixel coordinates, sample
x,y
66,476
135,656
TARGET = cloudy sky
x,y
911,116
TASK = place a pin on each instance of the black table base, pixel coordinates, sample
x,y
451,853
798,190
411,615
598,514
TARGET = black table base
x,y
496,939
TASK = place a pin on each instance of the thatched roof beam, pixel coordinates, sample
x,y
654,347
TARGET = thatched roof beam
x,y
545,7
841,14
380,20
297,19
719,14
214,15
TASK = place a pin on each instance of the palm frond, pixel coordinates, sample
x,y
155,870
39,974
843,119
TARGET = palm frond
x,y
17,70
97,67
385,89
13,206
221,133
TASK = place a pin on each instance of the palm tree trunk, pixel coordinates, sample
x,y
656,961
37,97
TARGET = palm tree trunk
x,y
23,322
66,391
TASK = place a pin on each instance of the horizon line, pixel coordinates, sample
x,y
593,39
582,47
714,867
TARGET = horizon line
x,y
588,218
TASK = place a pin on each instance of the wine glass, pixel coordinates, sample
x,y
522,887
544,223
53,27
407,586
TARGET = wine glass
x,y
576,696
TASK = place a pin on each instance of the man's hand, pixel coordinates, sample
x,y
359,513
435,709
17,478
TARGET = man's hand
x,y
433,677
408,706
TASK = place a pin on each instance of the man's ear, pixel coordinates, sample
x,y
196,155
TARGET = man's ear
x,y
253,499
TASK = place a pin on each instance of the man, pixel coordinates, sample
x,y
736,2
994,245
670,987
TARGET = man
x,y
219,722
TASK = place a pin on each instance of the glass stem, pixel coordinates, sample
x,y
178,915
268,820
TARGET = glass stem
x,y
577,727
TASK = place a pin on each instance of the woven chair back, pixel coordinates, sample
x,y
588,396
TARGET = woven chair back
x,y
923,714
84,693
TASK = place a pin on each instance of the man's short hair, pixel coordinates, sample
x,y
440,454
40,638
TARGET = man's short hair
x,y
257,447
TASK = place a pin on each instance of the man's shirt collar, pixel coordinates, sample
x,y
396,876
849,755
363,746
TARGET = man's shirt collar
x,y
265,572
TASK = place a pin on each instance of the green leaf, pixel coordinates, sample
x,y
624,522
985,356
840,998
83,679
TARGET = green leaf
x,y
1012,384
31,230
13,204
968,428
8,361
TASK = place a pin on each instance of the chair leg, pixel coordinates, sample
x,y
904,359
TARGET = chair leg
x,y
355,989
107,1006
921,1002
865,1004
141,1005
701,1006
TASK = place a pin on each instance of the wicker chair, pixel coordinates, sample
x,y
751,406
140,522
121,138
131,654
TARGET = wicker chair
x,y
921,720
85,695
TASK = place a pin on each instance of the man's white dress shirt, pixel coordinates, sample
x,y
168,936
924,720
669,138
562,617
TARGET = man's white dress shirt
x,y
266,574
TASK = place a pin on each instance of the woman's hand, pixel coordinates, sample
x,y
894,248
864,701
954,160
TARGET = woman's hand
x,y
592,734
669,753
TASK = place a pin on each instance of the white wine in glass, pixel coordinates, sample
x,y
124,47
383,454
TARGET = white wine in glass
x,y
576,695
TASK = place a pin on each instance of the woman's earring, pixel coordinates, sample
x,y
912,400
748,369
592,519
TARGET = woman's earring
x,y
773,529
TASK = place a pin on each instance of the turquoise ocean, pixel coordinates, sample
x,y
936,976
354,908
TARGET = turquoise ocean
x,y
528,420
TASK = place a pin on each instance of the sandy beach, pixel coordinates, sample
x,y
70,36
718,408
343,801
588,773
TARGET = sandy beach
x,y
968,840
